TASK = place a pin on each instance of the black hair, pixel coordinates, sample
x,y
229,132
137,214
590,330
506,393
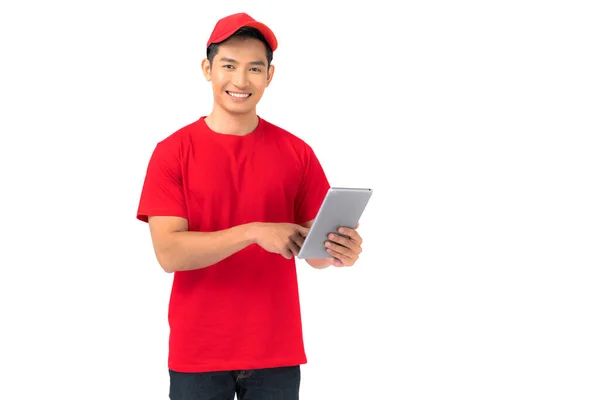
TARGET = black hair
x,y
243,32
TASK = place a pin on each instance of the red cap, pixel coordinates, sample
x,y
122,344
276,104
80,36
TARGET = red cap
x,y
227,26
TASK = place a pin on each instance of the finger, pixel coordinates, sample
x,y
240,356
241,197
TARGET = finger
x,y
294,248
341,259
287,252
298,239
303,230
341,240
339,249
336,263
351,233
346,242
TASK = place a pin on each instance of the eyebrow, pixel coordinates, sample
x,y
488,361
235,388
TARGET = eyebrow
x,y
231,60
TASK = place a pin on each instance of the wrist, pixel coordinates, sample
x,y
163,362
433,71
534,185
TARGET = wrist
x,y
252,232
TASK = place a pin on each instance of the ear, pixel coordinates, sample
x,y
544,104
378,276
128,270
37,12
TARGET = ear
x,y
206,69
270,73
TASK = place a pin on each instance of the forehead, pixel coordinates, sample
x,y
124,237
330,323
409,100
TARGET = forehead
x,y
243,49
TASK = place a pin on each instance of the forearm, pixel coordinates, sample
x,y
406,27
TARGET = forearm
x,y
194,250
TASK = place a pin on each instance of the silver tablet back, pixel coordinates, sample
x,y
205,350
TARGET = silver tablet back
x,y
341,207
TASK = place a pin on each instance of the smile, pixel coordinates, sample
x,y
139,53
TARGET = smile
x,y
238,95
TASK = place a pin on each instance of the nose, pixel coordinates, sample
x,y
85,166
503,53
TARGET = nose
x,y
240,79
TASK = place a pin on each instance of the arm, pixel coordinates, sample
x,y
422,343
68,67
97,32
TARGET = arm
x,y
178,249
318,263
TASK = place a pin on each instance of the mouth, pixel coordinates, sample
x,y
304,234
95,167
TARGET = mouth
x,y
238,95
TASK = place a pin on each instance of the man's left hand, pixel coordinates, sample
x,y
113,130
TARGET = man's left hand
x,y
344,250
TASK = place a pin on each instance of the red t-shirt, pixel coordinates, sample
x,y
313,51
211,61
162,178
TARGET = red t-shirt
x,y
243,312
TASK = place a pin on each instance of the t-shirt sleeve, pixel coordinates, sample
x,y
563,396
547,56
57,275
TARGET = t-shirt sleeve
x,y
313,188
162,191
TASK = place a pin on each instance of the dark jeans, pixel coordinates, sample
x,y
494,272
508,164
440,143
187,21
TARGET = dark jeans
x,y
257,384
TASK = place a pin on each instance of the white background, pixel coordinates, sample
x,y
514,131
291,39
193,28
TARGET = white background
x,y
476,124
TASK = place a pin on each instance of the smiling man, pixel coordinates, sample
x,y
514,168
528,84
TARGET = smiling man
x,y
229,200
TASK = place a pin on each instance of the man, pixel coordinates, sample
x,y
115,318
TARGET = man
x,y
229,200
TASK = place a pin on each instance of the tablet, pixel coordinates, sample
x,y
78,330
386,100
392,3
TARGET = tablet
x,y
342,207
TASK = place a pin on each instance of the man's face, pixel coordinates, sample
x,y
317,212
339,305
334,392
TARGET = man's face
x,y
239,75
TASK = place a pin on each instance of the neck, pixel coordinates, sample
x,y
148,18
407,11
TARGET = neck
x,y
223,122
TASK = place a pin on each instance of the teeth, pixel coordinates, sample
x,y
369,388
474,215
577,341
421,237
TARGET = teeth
x,y
239,95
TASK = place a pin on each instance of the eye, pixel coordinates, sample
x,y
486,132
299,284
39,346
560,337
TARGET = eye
x,y
228,66
255,69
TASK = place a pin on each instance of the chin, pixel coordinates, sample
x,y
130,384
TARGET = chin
x,y
239,108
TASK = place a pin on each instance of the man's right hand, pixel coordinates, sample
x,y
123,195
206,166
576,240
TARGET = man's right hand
x,y
280,238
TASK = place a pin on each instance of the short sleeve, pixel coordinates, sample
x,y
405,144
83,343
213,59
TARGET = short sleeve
x,y
162,191
313,188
